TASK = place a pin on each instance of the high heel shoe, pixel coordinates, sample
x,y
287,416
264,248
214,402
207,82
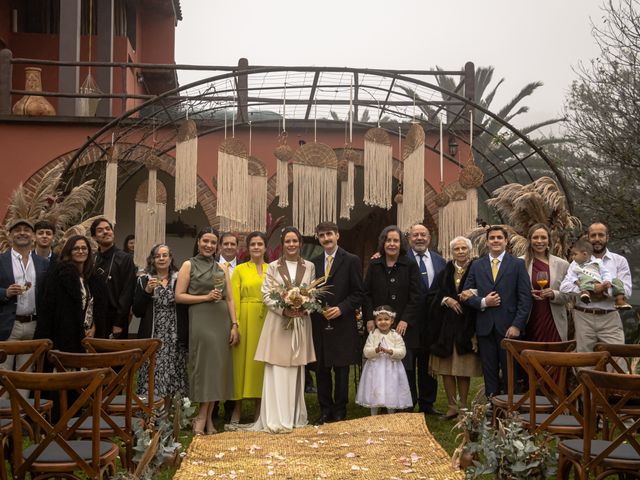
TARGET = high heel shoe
x,y
198,426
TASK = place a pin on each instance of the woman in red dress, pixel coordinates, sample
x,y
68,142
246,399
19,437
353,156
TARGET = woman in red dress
x,y
548,320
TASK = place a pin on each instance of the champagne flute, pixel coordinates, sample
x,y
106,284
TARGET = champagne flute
x,y
325,311
542,278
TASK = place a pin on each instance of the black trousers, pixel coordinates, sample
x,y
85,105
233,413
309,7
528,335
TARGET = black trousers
x,y
333,390
425,390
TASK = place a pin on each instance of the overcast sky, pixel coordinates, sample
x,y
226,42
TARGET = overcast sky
x,y
524,40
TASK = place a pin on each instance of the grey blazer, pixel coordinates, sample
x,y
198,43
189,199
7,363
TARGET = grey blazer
x,y
557,271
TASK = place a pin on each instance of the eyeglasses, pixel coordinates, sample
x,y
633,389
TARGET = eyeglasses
x,y
80,249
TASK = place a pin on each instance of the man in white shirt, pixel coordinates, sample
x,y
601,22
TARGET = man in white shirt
x,y
22,277
599,321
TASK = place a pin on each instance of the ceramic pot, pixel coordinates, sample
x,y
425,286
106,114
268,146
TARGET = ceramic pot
x,y
33,105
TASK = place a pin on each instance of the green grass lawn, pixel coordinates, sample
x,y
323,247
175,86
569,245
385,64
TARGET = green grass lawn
x,y
441,429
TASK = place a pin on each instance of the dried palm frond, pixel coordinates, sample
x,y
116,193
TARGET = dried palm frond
x,y
46,200
79,229
541,201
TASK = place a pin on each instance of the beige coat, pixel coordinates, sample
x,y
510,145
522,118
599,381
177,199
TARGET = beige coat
x,y
557,271
276,344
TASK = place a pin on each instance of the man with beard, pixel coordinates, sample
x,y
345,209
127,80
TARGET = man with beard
x,y
599,321
119,273
335,334
430,264
22,276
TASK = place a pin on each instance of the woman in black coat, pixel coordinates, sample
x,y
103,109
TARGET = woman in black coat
x,y
74,298
452,328
394,279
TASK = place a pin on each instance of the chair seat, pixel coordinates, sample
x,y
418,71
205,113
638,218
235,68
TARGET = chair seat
x,y
541,400
5,404
621,452
55,454
559,421
87,424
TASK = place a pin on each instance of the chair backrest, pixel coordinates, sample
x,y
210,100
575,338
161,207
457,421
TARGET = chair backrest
x,y
3,356
599,387
514,348
90,382
547,373
629,353
149,348
36,349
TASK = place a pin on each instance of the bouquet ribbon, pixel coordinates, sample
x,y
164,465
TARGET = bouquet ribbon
x,y
296,335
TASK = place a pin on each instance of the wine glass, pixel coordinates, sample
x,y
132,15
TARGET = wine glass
x,y
542,279
325,311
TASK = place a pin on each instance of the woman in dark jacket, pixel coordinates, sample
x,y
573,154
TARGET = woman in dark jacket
x,y
394,279
452,328
154,302
75,299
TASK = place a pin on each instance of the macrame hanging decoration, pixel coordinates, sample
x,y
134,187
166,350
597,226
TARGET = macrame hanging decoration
x,y
187,166
378,168
233,185
258,201
315,178
111,183
283,153
412,210
151,212
346,176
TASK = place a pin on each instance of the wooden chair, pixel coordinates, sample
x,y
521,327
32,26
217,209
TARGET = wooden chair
x,y
54,454
616,452
149,348
122,366
37,350
627,354
5,430
514,401
565,419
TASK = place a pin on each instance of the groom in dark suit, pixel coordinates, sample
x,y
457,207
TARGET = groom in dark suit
x,y
430,264
502,296
336,348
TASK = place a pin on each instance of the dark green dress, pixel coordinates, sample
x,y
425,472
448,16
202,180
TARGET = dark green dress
x,y
210,364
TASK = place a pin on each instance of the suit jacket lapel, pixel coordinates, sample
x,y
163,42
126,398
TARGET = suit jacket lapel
x,y
337,261
7,263
485,263
502,267
284,271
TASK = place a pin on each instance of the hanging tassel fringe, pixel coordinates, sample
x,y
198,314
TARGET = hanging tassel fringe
x,y
111,184
314,196
283,153
151,215
378,168
413,178
458,217
257,216
233,183
187,166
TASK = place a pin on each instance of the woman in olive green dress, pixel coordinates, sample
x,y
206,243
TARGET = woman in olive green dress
x,y
204,286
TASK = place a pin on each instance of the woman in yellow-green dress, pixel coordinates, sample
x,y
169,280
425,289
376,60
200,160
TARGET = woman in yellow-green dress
x,y
246,284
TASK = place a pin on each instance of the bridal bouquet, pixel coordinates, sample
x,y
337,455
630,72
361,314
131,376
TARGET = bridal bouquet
x,y
305,298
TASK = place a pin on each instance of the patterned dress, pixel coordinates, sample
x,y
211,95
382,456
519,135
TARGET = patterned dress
x,y
171,359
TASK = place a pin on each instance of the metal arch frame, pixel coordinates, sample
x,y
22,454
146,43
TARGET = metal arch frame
x,y
395,77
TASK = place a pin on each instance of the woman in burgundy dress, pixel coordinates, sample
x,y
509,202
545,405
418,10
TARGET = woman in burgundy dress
x,y
548,320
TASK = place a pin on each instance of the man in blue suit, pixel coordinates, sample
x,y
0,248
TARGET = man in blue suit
x,y
22,275
430,264
502,296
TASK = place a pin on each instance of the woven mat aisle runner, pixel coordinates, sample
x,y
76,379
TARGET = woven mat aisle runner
x,y
396,446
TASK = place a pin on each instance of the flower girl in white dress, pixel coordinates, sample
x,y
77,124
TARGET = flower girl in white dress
x,y
383,382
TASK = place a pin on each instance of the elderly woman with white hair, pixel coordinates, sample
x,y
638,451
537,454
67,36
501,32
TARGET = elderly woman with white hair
x,y
451,336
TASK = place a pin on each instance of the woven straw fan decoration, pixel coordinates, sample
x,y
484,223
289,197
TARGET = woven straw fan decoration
x,y
187,166
151,212
111,183
378,168
233,184
315,178
258,198
411,209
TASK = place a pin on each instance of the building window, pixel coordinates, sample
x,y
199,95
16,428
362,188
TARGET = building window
x,y
38,16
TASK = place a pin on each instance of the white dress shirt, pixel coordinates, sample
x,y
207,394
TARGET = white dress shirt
x,y
333,259
232,264
483,302
26,302
616,265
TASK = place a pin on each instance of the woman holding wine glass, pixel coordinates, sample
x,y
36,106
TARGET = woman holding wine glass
x,y
548,319
205,287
